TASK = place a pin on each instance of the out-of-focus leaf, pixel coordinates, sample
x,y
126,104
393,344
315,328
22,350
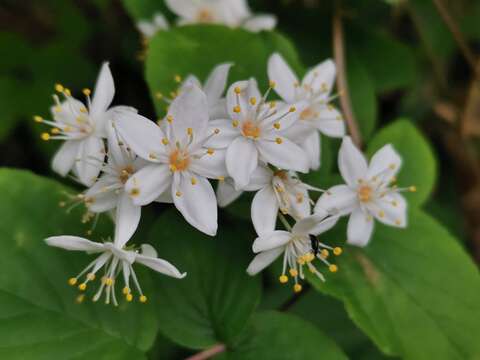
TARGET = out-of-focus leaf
x,y
40,317
144,9
415,292
419,166
216,299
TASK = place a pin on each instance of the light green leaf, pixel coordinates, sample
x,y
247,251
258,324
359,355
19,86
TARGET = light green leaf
x,y
419,166
40,317
415,292
214,302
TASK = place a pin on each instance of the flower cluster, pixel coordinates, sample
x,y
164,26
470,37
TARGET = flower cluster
x,y
244,140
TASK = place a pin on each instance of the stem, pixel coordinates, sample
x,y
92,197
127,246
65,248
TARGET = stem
x,y
342,84
295,298
284,221
208,353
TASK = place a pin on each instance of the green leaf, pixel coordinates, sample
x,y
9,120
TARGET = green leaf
x,y
144,9
415,292
274,335
419,166
214,302
40,317
198,49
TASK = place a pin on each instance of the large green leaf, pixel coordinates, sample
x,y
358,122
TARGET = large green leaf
x,y
414,292
278,336
40,318
419,166
214,302
198,49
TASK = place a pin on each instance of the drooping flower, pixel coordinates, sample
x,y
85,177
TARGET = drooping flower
x,y
320,116
148,28
82,128
233,13
179,161
298,246
252,133
368,193
115,259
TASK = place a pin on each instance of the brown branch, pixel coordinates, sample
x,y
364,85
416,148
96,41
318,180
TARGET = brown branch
x,y
208,353
342,84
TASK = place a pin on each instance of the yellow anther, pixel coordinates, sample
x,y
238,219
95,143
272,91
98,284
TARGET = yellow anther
x,y
394,203
412,189
82,287
169,118
210,151
108,281
80,298
293,272
273,104
178,193
59,88
37,119
91,276
152,156
324,253
235,123
134,192
292,109
83,110
253,101
57,109
189,131
297,288
159,95
276,125
193,181
72,281
165,141
55,131
398,222
237,90
129,297
381,213
272,84
309,257
216,131
283,279
126,290
392,166
221,178
45,136
67,92
337,251
173,94
278,140
177,78
333,268
62,204
87,92
301,260
236,109
143,299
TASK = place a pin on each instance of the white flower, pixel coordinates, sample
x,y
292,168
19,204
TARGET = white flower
x,y
315,89
82,128
233,13
214,88
115,259
298,246
253,133
148,28
368,192
179,163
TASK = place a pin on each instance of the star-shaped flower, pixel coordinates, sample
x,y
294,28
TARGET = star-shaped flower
x,y
179,161
368,192
319,115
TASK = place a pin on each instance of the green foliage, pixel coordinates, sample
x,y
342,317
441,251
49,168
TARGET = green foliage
x,y
144,9
40,317
414,292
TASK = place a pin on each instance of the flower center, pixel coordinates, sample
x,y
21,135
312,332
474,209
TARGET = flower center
x,y
281,174
179,160
365,193
251,130
205,16
307,114
125,173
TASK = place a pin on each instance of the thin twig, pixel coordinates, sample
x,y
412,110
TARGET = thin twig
x,y
342,84
207,354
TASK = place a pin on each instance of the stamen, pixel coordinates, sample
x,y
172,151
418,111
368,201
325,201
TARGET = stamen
x,y
283,279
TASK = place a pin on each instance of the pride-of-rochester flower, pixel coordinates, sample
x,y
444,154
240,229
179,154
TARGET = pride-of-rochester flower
x,y
116,259
368,193
253,133
82,128
179,162
319,115
298,246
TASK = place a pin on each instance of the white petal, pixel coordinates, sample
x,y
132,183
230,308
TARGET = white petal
x,y
74,243
90,160
148,183
160,265
104,91
241,161
283,76
216,82
385,163
286,155
64,159
260,177
210,166
103,194
141,134
300,206
189,110
262,260
284,116
117,154
338,199
314,224
184,8
165,197
248,89
321,77
360,228
197,203
298,132
226,193
392,210
311,146
351,162
260,22
264,210
227,133
127,219
218,110
330,122
189,81
271,240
